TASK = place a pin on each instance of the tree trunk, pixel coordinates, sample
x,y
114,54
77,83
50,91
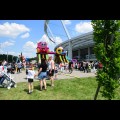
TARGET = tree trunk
x,y
96,94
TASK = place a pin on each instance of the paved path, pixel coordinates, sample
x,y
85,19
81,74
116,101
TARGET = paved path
x,y
21,77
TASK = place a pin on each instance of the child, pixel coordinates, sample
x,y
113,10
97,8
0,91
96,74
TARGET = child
x,y
30,77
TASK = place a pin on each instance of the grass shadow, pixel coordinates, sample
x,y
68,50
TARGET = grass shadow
x,y
26,90
48,84
37,87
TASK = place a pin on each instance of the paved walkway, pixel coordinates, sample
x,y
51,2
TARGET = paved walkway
x,y
21,77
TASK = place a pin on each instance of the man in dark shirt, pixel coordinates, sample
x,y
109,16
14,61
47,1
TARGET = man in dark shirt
x,y
70,66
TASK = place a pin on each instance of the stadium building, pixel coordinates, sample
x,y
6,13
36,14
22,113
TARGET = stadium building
x,y
81,47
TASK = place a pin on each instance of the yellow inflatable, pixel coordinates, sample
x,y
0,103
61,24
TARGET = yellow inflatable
x,y
58,50
38,50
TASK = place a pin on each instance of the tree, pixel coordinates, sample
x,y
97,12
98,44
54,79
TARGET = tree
x,y
11,58
107,50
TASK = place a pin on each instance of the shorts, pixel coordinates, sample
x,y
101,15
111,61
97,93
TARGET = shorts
x,y
30,80
52,72
42,75
47,72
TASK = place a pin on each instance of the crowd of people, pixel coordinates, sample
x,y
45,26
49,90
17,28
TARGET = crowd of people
x,y
47,69
87,66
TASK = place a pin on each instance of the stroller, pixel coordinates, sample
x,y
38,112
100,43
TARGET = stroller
x,y
10,82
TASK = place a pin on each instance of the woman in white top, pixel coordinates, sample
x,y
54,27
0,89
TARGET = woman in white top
x,y
51,67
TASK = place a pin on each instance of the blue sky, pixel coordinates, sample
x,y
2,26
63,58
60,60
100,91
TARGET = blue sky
x,y
18,36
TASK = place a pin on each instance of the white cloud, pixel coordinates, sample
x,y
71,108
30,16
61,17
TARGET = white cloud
x,y
51,45
1,51
29,49
12,30
13,53
67,22
12,41
26,35
7,44
83,27
58,40
45,39
29,54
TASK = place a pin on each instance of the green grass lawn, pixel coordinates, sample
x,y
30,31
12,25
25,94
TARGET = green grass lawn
x,y
69,89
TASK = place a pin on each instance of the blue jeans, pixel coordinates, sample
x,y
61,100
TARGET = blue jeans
x,y
2,80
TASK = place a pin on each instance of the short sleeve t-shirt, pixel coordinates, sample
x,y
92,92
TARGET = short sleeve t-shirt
x,y
31,74
70,63
44,67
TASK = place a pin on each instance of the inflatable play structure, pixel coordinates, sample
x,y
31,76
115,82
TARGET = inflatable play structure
x,y
60,56
43,51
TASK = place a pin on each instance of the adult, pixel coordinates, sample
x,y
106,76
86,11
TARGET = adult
x,y
19,66
51,67
42,74
86,67
70,66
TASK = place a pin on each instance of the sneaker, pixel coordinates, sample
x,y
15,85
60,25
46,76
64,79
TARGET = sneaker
x,y
40,89
52,85
45,89
29,92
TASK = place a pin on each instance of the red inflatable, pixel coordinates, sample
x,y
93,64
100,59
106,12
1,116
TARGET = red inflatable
x,y
42,47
